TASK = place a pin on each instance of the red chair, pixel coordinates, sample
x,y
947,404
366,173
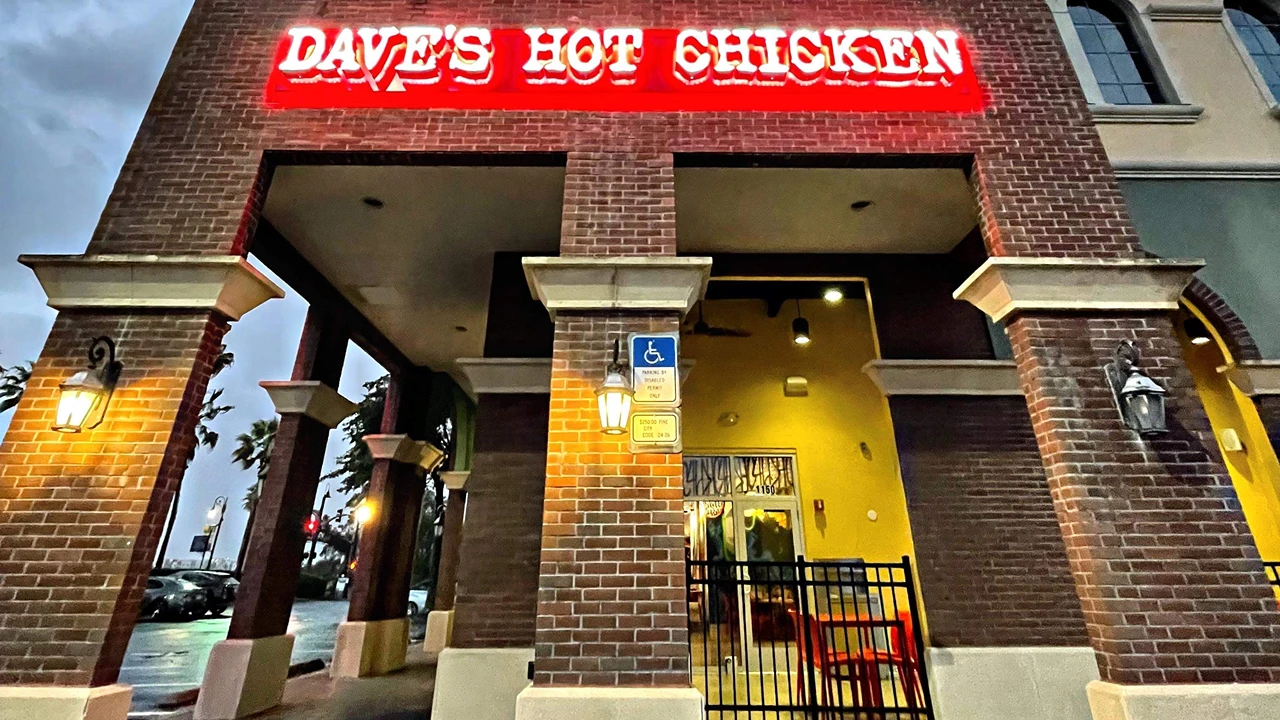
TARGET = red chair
x,y
812,648
901,655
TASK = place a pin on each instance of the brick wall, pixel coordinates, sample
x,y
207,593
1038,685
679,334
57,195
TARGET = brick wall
x,y
496,601
81,515
1167,572
1046,181
611,592
992,567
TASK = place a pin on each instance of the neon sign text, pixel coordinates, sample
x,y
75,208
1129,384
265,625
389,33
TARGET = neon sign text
x,y
623,69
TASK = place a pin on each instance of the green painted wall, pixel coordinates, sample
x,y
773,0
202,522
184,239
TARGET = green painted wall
x,y
1235,226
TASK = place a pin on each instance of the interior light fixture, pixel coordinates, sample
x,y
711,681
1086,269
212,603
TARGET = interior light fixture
x,y
83,397
614,397
833,295
800,328
1196,331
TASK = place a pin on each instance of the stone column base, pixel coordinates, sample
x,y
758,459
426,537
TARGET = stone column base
x,y
22,702
244,677
1029,683
439,632
1110,701
369,648
480,683
609,703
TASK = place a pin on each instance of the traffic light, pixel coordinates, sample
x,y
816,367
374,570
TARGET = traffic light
x,y
312,526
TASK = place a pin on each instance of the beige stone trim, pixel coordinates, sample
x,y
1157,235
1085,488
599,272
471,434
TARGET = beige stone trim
x,y
244,677
370,648
1254,377
1153,114
226,283
1007,285
439,633
655,283
609,703
1110,701
456,479
944,377
312,398
507,376
480,683
27,702
1028,683
402,448
1186,12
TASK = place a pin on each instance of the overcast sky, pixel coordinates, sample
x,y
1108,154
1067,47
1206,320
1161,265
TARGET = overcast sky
x,y
75,80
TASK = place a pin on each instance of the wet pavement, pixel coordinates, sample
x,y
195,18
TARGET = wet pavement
x,y
168,657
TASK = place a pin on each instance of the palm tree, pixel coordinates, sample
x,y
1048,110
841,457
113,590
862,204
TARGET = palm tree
x,y
205,437
13,382
253,449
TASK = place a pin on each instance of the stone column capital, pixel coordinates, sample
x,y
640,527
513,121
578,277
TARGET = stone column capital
x,y
456,479
403,449
311,398
1255,378
1004,286
659,283
225,283
944,377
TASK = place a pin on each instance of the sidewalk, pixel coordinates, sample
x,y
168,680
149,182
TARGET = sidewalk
x,y
405,695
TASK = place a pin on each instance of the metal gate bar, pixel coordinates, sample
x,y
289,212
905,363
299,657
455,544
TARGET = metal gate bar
x,y
807,639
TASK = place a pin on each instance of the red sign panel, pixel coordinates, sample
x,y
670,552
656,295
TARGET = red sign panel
x,y
623,69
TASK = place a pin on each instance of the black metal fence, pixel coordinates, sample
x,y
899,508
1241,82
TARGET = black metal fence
x,y
1273,572
807,639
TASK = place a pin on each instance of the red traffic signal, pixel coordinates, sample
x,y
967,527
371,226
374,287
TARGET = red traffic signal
x,y
312,525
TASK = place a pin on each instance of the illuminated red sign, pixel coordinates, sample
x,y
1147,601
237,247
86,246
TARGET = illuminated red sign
x,y
623,69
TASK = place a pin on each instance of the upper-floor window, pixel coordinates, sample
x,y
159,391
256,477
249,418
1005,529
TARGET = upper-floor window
x,y
1259,30
1124,76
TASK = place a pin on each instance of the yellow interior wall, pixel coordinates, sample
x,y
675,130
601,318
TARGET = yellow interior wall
x,y
1255,472
824,430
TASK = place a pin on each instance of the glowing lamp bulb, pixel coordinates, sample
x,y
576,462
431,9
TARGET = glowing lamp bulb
x,y
614,399
78,398
363,513
833,295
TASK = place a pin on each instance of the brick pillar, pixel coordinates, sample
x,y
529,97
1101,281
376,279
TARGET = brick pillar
x,y
81,514
486,663
440,620
375,637
611,588
1165,566
246,673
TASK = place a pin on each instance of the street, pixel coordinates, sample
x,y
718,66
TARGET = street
x,y
167,657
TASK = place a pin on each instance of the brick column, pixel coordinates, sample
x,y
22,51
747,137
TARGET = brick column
x,y
440,619
375,637
1169,579
486,663
246,673
81,514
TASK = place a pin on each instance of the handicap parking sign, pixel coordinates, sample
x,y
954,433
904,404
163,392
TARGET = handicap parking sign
x,y
655,364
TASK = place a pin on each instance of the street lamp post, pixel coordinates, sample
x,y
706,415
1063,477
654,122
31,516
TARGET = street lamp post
x,y
217,514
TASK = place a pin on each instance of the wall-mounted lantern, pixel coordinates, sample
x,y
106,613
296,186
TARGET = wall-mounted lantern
x,y
1139,398
614,398
363,514
83,397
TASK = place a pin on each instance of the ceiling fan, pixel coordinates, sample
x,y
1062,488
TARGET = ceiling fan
x,y
702,328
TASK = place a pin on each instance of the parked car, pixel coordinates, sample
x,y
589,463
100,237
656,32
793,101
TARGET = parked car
x,y
171,598
219,586
418,598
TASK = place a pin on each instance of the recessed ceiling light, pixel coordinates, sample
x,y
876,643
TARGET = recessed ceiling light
x,y
373,202
859,205
1196,331
833,295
